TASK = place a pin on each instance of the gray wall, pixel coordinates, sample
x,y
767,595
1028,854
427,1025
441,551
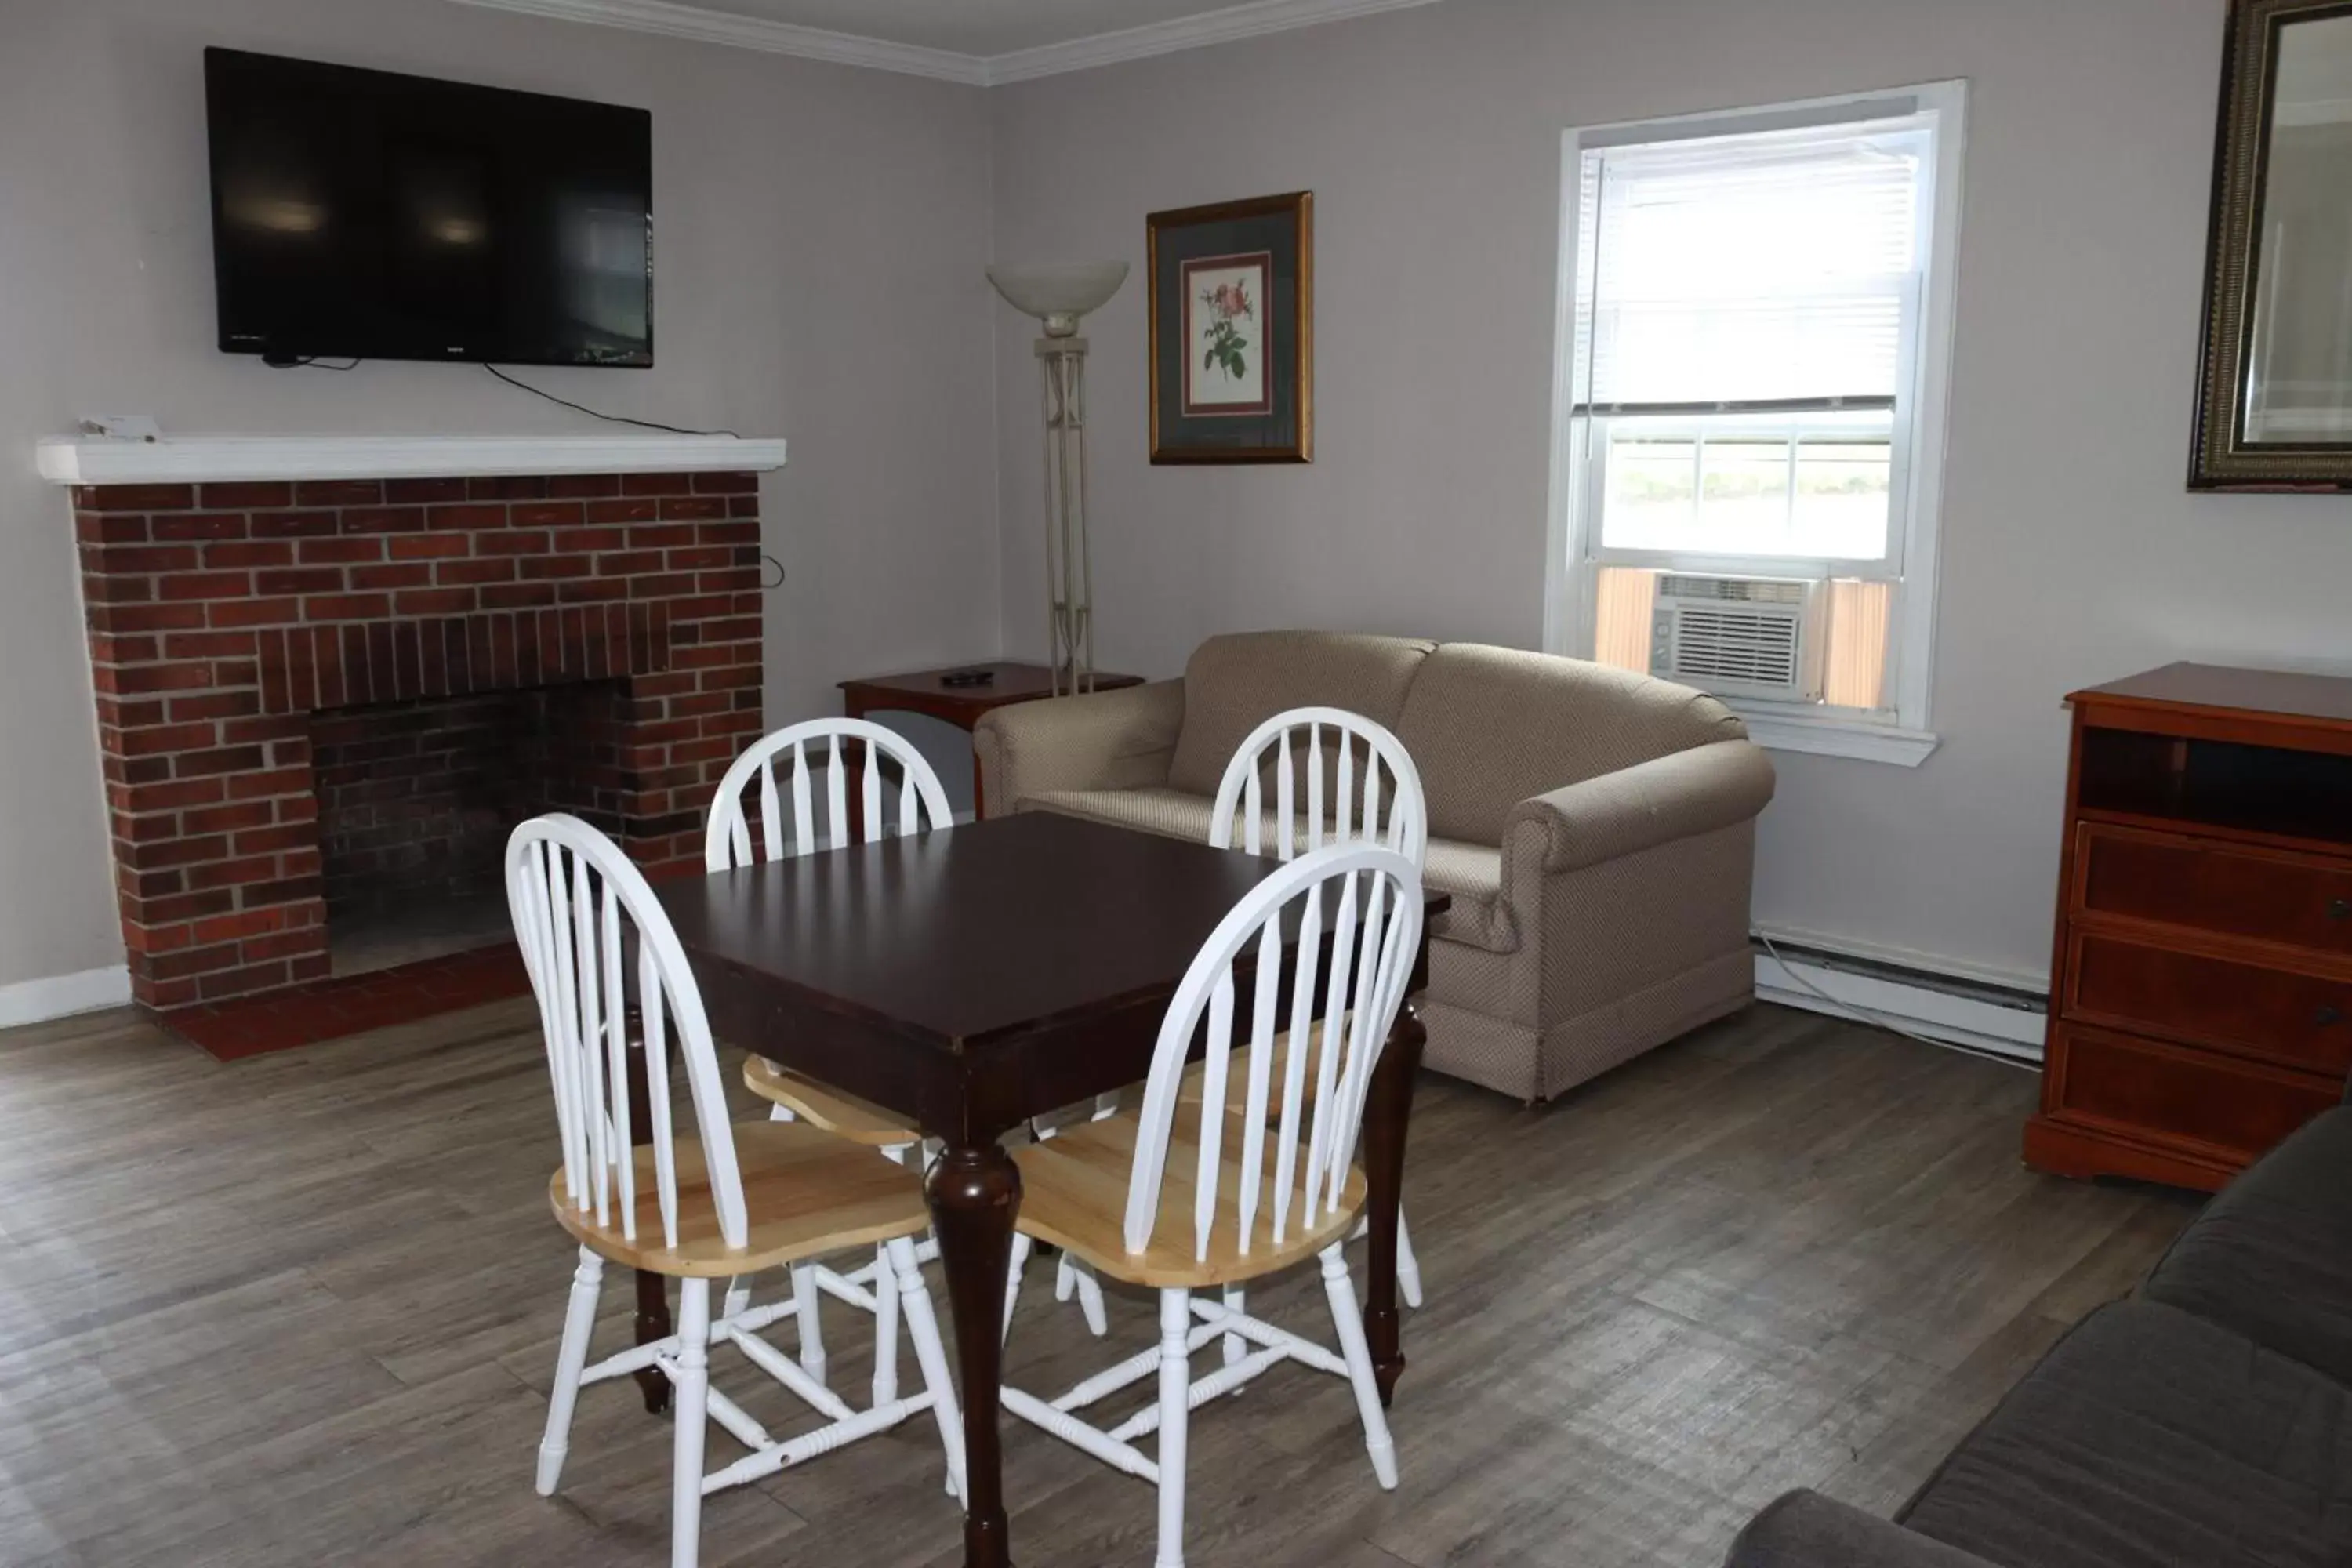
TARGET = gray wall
x,y
1431,138
820,233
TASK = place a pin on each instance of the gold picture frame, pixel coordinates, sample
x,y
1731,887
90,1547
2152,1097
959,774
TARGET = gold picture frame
x,y
1231,360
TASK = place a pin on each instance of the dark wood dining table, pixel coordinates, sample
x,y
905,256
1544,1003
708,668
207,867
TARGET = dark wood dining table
x,y
974,978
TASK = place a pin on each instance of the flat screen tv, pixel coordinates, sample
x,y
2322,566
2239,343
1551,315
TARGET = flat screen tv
x,y
357,214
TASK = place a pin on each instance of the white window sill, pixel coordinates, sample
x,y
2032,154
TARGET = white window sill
x,y
1858,738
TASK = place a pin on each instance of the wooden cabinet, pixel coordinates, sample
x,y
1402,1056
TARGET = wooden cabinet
x,y
2200,1001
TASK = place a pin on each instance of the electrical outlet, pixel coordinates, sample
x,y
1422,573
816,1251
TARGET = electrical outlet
x,y
121,427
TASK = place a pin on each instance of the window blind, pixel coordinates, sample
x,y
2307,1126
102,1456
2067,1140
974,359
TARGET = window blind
x,y
1770,269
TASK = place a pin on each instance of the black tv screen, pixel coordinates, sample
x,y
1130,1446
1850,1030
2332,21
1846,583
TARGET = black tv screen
x,y
363,215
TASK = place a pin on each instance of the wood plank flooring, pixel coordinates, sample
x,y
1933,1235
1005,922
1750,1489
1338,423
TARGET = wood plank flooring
x,y
303,1309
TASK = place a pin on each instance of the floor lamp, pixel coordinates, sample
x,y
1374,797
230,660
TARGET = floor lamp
x,y
1058,297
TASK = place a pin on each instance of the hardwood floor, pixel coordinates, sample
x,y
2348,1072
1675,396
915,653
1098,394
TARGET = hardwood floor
x,y
303,1309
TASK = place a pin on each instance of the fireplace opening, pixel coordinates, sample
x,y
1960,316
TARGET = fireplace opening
x,y
416,799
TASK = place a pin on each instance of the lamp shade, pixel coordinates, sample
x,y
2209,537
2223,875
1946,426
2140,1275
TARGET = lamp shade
x,y
1059,295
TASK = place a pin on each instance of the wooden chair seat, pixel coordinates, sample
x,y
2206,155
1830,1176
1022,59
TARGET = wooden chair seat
x,y
807,1192
1073,1195
1191,1086
842,1115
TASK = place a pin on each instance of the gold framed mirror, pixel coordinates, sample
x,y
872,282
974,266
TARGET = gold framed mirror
x,y
2274,401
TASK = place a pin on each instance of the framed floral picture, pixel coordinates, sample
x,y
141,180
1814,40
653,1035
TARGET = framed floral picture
x,y
1233,331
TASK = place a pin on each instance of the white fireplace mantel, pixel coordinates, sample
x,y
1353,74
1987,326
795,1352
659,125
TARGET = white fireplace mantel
x,y
202,459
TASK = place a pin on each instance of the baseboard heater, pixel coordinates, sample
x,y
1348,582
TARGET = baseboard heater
x,y
1997,1020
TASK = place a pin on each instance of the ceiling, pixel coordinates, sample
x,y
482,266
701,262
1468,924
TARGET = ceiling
x,y
978,41
2314,60
981,28
2314,72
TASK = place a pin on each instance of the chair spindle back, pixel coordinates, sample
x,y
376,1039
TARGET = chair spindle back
x,y
788,816
1367,901
579,906
1298,738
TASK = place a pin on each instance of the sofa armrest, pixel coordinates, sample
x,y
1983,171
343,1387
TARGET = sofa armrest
x,y
1106,740
1806,1530
1640,808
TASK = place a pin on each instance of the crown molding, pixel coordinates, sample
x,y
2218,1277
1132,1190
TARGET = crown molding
x,y
1246,21
703,27
1253,19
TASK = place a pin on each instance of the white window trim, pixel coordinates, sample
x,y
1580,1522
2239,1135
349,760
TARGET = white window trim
x,y
1904,737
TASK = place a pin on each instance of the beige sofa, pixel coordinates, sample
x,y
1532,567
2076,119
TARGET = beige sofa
x,y
1596,828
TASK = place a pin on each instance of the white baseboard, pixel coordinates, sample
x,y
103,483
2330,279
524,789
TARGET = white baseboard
x,y
2035,980
2012,1030
60,996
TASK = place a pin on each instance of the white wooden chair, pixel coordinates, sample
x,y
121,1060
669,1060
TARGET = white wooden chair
x,y
732,1201
822,753
1331,747
1374,793
1186,1195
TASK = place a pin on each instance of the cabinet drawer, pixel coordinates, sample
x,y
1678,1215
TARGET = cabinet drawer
x,y
2298,900
2171,1094
2274,1014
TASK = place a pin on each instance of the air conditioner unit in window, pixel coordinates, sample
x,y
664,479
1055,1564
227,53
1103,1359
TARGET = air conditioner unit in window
x,y
1740,636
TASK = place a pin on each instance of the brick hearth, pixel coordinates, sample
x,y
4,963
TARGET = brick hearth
x,y
223,617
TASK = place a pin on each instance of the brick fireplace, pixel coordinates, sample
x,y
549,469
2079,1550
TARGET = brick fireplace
x,y
427,659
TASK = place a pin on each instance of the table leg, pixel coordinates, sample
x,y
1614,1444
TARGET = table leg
x,y
1387,1111
653,1290
975,1193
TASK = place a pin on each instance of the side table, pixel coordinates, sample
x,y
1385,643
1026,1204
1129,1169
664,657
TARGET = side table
x,y
923,692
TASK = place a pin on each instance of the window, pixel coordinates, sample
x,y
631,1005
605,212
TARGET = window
x,y
1754,315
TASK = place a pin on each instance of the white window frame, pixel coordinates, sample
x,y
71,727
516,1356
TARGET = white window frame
x,y
1898,735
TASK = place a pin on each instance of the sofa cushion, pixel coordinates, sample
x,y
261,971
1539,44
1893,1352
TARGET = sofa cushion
x,y
1235,683
2148,1439
1490,726
1806,1530
1471,872
1174,812
2272,1256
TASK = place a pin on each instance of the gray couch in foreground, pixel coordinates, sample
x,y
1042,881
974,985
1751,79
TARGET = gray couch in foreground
x,y
2206,1421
